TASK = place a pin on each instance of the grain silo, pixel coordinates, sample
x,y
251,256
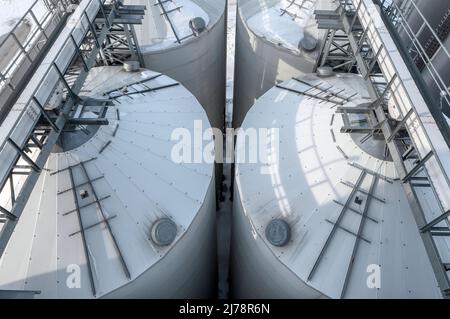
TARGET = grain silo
x,y
112,214
275,40
326,216
185,39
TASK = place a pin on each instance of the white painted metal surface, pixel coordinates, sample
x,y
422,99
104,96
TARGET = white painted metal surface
x,y
267,47
315,162
130,167
12,12
422,128
197,62
423,28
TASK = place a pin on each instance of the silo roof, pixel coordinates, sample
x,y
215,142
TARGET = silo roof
x,y
167,23
117,183
325,181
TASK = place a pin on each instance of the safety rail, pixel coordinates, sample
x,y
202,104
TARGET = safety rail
x,y
21,48
18,128
35,123
39,116
399,82
423,58
43,89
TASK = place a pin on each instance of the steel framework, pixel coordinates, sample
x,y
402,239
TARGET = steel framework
x,y
26,154
355,42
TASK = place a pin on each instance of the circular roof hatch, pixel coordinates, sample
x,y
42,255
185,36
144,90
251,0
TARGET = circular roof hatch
x,y
278,232
163,232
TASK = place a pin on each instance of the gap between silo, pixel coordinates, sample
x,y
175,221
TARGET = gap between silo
x,y
225,204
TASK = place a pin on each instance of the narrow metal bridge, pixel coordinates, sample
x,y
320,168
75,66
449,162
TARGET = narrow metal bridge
x,y
363,37
98,32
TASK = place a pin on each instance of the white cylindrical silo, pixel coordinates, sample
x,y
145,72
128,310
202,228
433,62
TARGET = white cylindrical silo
x,y
275,40
439,68
115,213
324,214
190,51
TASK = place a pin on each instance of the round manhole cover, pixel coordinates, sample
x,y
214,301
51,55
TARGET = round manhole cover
x,y
278,232
163,232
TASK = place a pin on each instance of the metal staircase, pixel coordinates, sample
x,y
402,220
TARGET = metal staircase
x,y
416,142
36,121
80,186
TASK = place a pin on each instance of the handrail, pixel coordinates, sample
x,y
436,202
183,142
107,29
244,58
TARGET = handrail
x,y
399,20
17,24
25,45
22,121
422,125
84,26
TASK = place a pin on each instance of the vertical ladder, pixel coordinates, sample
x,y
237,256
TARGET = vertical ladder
x,y
76,189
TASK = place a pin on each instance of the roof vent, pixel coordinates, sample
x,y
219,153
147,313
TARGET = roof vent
x,y
84,194
308,43
197,25
278,232
325,71
163,232
131,66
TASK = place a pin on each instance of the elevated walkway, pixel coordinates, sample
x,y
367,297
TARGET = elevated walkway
x,y
25,46
51,96
417,142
